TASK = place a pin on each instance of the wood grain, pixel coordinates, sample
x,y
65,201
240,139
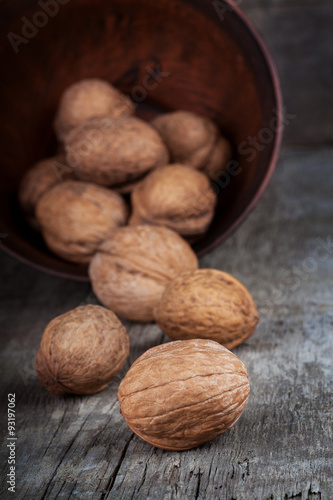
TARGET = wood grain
x,y
281,448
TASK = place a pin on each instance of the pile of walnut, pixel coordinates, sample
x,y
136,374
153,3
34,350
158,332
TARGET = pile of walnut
x,y
162,168
183,393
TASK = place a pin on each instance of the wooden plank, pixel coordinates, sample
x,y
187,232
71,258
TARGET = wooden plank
x,y
281,448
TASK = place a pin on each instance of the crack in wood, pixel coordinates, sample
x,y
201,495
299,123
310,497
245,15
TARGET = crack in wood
x,y
113,476
143,477
197,491
310,495
43,497
153,452
56,432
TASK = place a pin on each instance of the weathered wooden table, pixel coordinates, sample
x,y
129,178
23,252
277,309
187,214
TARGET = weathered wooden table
x,y
281,448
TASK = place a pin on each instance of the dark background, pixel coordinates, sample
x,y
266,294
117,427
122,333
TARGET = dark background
x,y
299,34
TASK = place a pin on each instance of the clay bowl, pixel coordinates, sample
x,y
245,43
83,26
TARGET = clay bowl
x,y
172,54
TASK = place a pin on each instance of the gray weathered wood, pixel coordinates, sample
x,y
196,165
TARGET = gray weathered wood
x,y
299,34
281,448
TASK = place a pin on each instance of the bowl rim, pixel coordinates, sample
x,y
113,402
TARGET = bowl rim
x,y
277,136
269,61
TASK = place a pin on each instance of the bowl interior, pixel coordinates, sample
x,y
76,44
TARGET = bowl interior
x,y
167,55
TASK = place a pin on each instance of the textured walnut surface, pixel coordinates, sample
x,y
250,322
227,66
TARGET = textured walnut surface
x,y
81,351
133,266
176,196
194,140
219,158
41,177
76,217
207,303
111,152
179,395
87,99
189,137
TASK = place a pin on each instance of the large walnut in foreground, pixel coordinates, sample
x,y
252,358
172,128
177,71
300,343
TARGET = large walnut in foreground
x,y
133,266
194,140
175,196
179,395
81,351
87,99
76,217
209,304
40,178
114,152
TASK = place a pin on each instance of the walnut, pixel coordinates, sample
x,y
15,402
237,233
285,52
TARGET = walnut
x,y
114,152
87,99
38,179
194,140
76,217
209,304
219,159
131,269
179,395
176,196
81,351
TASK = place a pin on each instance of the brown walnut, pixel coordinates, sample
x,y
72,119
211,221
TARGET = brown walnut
x,y
87,99
210,304
38,179
114,152
76,217
194,140
189,137
131,268
175,196
179,395
219,159
81,351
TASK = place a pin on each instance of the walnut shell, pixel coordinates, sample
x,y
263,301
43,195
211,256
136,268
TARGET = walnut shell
x,y
113,152
38,179
194,140
87,99
176,196
131,269
189,136
76,217
81,351
218,160
179,395
209,304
